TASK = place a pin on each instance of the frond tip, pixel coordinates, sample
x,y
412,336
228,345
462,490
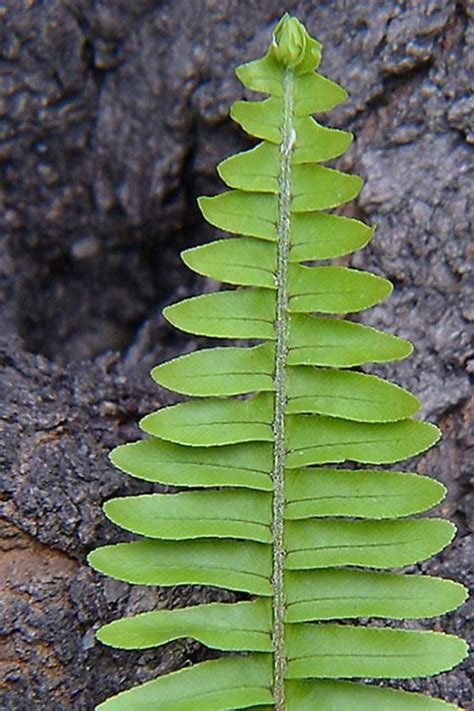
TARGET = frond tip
x,y
291,43
264,509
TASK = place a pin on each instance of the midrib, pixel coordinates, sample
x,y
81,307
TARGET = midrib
x,y
281,353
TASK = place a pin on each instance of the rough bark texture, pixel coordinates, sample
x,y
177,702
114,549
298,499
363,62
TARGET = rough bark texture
x,y
113,115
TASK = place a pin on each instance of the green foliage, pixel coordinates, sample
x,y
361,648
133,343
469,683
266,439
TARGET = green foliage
x,y
265,515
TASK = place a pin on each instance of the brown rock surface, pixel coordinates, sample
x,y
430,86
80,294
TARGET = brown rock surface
x,y
113,117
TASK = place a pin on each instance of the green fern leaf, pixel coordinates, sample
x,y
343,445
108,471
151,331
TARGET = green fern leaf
x,y
227,564
196,514
313,340
359,493
213,422
309,543
204,687
350,395
245,262
374,544
334,651
314,439
242,626
343,695
226,314
339,593
242,213
219,371
334,290
317,235
159,461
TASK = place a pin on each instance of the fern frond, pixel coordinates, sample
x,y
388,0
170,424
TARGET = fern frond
x,y
309,543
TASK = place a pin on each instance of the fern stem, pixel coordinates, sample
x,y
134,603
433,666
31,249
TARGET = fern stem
x,y
281,352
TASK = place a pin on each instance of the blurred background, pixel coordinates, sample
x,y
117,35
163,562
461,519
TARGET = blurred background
x,y
113,116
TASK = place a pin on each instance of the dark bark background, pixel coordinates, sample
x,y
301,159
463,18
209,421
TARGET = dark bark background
x,y
113,115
